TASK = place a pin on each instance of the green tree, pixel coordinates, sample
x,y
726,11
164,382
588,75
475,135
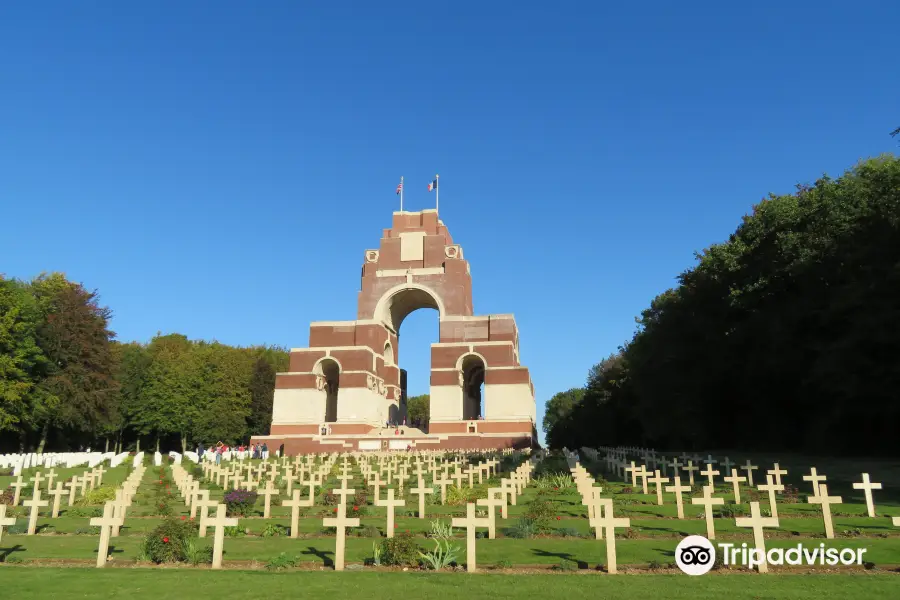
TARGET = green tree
x,y
78,387
418,409
560,405
262,387
222,393
784,337
168,397
20,356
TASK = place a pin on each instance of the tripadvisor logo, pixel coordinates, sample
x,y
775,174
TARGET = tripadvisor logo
x,y
695,555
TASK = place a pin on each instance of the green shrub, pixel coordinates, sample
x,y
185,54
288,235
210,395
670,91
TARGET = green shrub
x,y
196,554
504,564
523,529
83,512
235,531
400,550
166,543
274,530
240,502
540,512
87,531
729,511
568,532
96,496
460,496
367,531
566,565
282,561
444,554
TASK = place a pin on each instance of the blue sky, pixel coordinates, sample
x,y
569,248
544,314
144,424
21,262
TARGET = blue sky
x,y
218,168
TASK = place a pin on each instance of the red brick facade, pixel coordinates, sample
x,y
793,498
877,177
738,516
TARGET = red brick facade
x,y
416,265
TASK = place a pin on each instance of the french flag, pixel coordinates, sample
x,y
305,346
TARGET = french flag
x,y
433,185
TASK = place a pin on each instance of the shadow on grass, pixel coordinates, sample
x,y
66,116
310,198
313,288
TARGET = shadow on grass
x,y
6,552
325,555
560,555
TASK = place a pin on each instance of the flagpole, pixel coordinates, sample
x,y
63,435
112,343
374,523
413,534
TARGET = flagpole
x,y
437,193
401,193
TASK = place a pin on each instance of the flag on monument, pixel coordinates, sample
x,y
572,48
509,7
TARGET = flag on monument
x,y
399,188
433,185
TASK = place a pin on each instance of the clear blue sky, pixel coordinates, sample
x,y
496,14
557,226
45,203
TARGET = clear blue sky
x,y
218,169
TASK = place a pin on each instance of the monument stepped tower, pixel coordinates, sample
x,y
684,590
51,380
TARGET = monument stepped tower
x,y
347,382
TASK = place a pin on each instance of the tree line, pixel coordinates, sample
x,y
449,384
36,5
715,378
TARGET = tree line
x,y
67,383
785,337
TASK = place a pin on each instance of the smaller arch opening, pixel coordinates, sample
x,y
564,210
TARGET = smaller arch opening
x,y
472,369
330,371
388,355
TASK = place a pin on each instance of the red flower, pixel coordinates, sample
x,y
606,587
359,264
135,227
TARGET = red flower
x,y
355,508
182,518
395,526
165,540
335,510
192,518
556,489
558,518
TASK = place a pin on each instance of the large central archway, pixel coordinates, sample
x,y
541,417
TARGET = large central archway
x,y
398,302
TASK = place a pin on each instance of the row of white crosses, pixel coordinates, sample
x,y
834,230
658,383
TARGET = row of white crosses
x,y
773,484
600,512
92,477
517,481
114,513
196,499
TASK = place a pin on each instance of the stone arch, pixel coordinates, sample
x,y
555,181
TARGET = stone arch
x,y
328,378
399,301
471,374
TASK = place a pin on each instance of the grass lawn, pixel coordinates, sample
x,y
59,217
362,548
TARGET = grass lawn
x,y
160,584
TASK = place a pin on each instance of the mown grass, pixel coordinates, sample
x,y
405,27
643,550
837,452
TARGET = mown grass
x,y
138,584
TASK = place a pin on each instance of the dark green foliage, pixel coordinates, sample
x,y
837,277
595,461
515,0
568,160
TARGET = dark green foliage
x,y
400,550
797,315
166,543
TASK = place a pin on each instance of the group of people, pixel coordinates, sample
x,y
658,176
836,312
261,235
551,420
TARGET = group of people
x,y
251,451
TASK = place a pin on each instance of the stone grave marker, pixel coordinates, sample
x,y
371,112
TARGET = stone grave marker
x,y
470,523
735,481
757,523
771,487
4,520
35,504
105,523
678,489
340,522
708,502
220,522
826,501
867,487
